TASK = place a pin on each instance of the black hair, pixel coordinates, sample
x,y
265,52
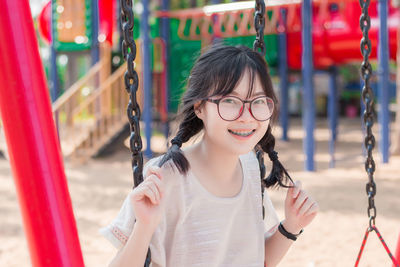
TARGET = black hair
x,y
217,72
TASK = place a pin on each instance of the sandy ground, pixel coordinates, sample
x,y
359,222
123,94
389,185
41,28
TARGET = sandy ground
x,y
99,186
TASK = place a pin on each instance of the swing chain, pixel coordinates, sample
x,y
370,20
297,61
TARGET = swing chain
x,y
131,79
368,116
259,24
131,85
369,141
260,158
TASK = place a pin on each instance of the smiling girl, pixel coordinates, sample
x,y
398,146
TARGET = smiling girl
x,y
205,205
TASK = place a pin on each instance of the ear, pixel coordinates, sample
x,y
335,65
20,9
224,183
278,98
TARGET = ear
x,y
198,110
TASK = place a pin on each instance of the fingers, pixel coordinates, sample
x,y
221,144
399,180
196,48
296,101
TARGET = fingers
x,y
154,179
144,191
306,206
302,202
292,193
296,189
154,170
312,210
300,207
156,193
152,187
302,196
155,188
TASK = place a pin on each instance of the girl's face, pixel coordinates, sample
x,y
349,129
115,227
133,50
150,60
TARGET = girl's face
x,y
241,135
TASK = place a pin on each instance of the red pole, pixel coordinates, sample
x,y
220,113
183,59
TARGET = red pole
x,y
397,255
30,132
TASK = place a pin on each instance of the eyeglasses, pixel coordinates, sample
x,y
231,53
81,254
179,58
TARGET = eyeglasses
x,y
230,108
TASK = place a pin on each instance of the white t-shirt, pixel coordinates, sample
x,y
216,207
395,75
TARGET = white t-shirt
x,y
203,230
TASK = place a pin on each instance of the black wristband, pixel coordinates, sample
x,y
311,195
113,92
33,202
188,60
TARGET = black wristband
x,y
288,235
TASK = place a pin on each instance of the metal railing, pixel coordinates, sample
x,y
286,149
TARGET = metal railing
x,y
93,109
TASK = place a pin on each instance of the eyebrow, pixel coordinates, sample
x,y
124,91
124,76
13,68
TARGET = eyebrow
x,y
253,95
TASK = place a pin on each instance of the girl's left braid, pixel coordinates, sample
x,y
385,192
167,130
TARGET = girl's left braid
x,y
278,174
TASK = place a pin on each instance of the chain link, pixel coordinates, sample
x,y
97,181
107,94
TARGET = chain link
x,y
131,85
259,24
368,116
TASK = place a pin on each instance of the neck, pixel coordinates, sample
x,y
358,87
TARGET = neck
x,y
221,163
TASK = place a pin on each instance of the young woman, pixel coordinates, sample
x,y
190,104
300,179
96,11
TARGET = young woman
x,y
205,205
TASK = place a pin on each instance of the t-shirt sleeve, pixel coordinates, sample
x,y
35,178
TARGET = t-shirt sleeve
x,y
271,219
119,230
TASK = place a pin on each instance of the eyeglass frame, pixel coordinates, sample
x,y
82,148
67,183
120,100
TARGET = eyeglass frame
x,y
216,101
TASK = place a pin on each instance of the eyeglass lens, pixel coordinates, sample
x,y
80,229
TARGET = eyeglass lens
x,y
230,108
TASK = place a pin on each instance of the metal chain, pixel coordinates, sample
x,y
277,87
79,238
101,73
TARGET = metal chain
x,y
260,158
369,141
131,79
368,116
131,85
259,24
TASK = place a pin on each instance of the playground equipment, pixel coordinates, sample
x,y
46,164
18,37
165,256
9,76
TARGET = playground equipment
x,y
74,27
334,34
89,113
73,23
397,255
32,143
84,132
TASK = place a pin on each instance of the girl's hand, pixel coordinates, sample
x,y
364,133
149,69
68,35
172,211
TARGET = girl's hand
x,y
300,209
147,197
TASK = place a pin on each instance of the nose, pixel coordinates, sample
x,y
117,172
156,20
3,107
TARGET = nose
x,y
246,113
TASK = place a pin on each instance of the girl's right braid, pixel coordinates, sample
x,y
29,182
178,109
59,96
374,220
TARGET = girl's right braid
x,y
189,127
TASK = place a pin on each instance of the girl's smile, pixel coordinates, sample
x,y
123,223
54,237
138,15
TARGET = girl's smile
x,y
241,133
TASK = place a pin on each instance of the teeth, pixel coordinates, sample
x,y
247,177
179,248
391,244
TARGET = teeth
x,y
241,133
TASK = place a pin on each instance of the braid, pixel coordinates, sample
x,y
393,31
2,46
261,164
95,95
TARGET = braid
x,y
278,174
189,127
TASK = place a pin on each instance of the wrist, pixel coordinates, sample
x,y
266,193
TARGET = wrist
x,y
290,227
145,228
287,233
